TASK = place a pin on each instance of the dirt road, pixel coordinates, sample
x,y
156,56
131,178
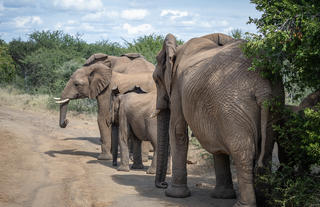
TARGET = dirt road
x,y
42,165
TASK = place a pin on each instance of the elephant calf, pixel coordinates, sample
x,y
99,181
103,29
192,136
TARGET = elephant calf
x,y
133,113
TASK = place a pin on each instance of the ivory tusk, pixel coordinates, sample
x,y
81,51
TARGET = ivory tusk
x,y
155,113
57,99
62,101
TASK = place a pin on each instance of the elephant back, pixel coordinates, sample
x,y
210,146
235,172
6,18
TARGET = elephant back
x,y
132,63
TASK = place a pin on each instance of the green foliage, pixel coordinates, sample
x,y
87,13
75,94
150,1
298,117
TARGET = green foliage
x,y
287,188
294,184
45,62
148,46
7,67
237,34
287,49
41,67
288,46
106,47
302,129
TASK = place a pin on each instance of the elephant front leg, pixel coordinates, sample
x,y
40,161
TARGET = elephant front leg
x,y
179,148
224,187
105,132
137,158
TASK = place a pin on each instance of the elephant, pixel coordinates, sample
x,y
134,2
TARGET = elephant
x,y
133,113
205,84
99,79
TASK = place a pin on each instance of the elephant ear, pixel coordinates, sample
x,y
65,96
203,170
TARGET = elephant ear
x,y
95,58
132,56
219,38
99,79
169,47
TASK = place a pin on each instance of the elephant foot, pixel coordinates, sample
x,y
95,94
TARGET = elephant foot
x,y
114,163
137,166
145,159
151,170
104,156
240,204
123,168
168,171
223,193
178,191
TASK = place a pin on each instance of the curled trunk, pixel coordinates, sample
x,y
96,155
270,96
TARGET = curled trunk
x,y
163,120
63,122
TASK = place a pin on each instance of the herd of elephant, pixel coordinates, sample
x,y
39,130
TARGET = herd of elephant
x,y
203,84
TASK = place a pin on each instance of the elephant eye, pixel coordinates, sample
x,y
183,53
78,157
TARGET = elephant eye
x,y
76,84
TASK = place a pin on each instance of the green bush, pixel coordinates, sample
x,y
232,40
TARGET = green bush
x,y
300,138
288,188
294,184
7,67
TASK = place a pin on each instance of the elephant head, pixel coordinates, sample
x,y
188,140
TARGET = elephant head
x,y
86,82
162,76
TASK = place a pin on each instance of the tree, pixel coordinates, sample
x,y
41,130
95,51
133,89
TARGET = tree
x,y
288,46
7,67
287,49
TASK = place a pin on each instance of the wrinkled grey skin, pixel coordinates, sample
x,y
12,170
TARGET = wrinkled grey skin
x,y
133,115
205,84
99,79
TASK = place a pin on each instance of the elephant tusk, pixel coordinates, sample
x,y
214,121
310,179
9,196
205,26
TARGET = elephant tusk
x,y
57,99
62,101
155,113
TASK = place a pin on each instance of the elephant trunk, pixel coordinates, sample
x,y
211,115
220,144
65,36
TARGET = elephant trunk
x,y
163,120
63,122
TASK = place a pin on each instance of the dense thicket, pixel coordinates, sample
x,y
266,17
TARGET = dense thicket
x,y
7,68
287,48
44,62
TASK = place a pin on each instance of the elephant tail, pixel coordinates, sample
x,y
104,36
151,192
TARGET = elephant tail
x,y
263,94
264,121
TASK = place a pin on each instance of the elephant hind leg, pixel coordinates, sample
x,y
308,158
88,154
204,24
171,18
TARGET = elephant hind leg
x,y
145,148
224,186
124,133
243,155
152,168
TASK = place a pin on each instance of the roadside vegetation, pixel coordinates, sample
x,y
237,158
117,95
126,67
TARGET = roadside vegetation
x,y
286,48
45,61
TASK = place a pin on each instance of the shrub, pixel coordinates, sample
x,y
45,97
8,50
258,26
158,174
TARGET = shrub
x,y
7,67
294,184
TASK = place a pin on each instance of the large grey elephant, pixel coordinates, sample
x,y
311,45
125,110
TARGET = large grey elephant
x,y
100,78
206,84
133,113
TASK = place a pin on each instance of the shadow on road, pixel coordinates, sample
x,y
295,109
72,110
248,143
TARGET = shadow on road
x,y
200,196
94,140
52,153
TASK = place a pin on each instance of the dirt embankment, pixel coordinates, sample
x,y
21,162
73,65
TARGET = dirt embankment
x,y
44,165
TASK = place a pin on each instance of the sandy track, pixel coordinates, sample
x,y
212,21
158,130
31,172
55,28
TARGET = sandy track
x,y
42,165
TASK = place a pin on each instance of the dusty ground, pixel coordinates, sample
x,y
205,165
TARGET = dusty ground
x,y
44,165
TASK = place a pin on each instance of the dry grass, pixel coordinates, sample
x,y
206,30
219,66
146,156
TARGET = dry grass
x,y
12,97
